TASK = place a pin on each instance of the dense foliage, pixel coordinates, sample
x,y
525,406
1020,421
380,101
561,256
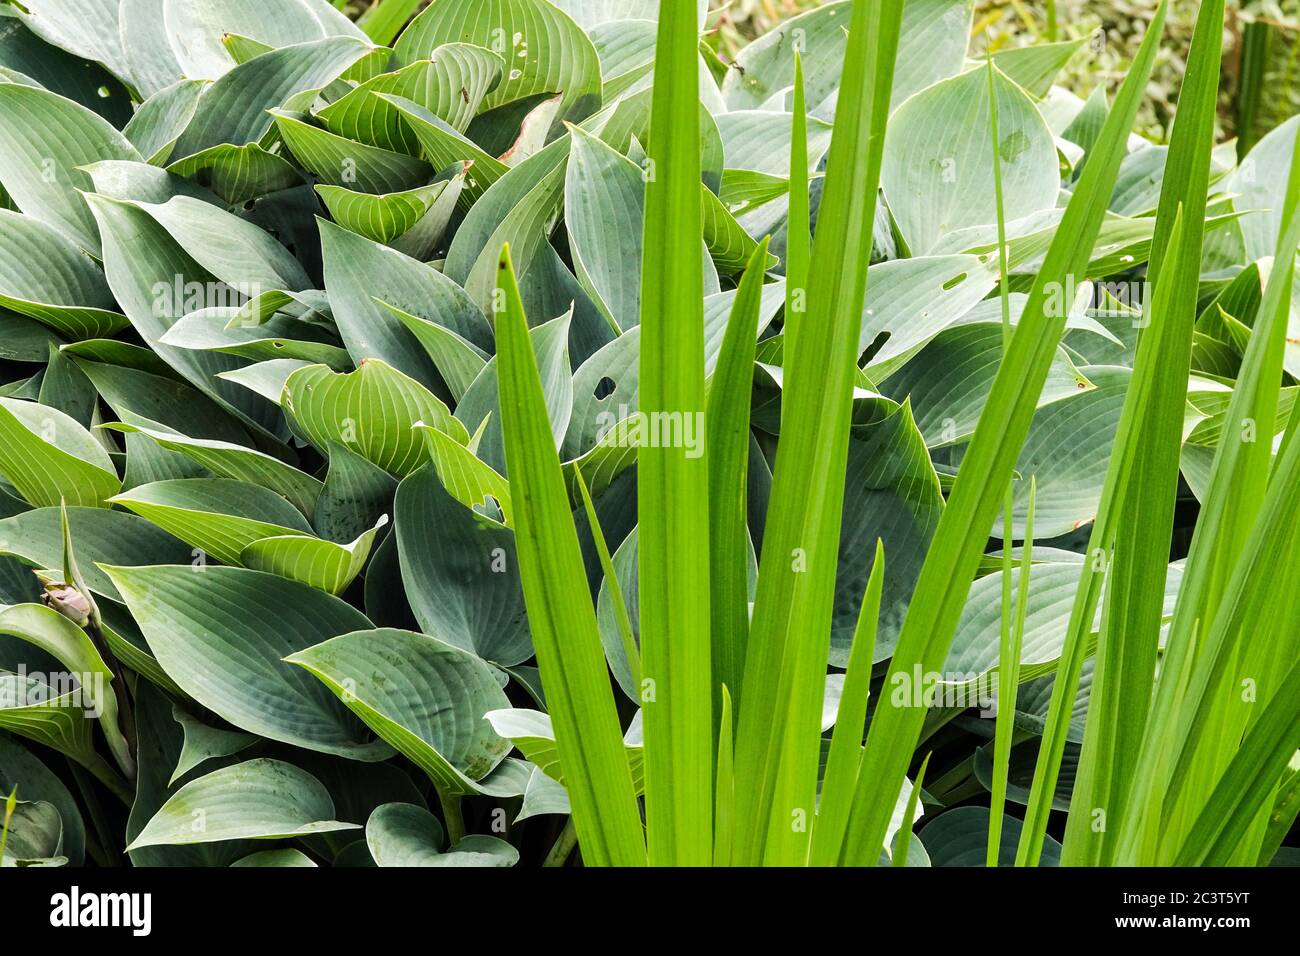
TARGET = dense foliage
x,y
519,435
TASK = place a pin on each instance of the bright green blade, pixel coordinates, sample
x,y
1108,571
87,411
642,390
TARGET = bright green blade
x,y
987,466
730,394
672,478
1143,502
798,239
560,612
841,777
778,732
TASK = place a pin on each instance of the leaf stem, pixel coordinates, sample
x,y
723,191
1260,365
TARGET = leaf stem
x,y
563,846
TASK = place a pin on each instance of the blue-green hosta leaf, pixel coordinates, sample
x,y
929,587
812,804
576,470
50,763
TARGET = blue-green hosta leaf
x,y
460,572
936,176
959,837
48,457
204,742
603,187
425,697
1259,184
238,173
198,26
222,633
33,835
358,272
340,161
229,460
44,138
948,381
151,63
380,218
544,51
357,494
932,45
469,479
53,716
225,329
458,360
1035,67
372,411
531,732
265,378
234,109
98,535
161,119
605,386
45,276
402,834
892,494
72,647
626,48
148,273
1067,450
1052,585
218,516
260,799
24,340
21,769
87,28
234,250
450,84
442,145
481,402
759,140
326,565
287,857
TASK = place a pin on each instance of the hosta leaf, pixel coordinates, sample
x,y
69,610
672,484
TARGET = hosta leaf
x,y
389,677
204,742
287,857
1034,67
21,769
234,250
458,360
1066,451
229,460
932,45
356,495
87,28
151,63
358,272
39,712
959,837
99,535
469,479
602,187
224,329
450,84
48,457
339,161
326,565
947,381
936,175
44,275
198,26
233,110
1259,183
401,834
265,378
442,145
161,119
43,139
460,572
222,634
238,173
379,218
218,516
545,51
145,270
260,799
33,835
371,411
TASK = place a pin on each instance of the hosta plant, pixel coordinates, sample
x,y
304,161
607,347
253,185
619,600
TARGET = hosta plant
x,y
494,433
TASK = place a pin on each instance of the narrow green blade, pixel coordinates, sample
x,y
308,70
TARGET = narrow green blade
x,y
560,612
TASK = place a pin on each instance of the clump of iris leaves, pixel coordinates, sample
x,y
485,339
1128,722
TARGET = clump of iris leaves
x,y
496,434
